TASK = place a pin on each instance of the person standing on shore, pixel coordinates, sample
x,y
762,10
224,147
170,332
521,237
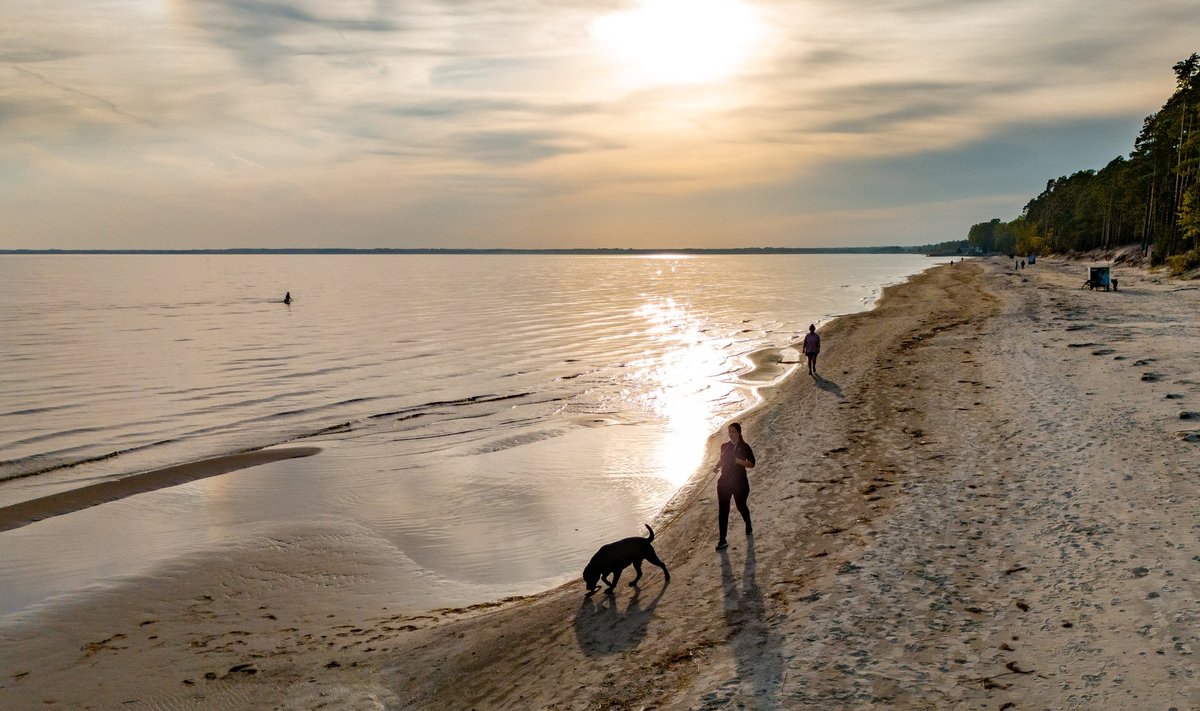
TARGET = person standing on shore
x,y
811,348
736,458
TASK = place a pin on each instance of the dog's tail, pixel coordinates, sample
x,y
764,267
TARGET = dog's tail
x,y
651,530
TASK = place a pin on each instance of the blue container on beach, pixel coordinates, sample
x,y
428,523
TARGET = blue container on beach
x,y
1098,278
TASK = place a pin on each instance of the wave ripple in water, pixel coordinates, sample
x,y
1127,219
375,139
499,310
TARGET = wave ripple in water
x,y
462,400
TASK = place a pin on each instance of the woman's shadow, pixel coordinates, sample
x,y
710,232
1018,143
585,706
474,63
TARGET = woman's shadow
x,y
829,386
601,629
757,647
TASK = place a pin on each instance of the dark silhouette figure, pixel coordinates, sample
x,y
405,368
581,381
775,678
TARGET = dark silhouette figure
x,y
1113,281
811,348
613,558
287,298
736,458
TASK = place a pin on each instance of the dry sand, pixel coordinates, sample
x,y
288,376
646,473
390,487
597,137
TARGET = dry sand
x,y
988,500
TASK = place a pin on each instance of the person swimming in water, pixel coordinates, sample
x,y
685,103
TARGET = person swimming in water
x,y
287,298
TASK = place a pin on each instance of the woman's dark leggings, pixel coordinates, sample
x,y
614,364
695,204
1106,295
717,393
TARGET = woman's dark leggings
x,y
739,494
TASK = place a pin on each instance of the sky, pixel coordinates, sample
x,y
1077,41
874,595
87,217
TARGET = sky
x,y
130,124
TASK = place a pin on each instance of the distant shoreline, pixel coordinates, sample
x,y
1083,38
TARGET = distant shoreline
x,y
597,251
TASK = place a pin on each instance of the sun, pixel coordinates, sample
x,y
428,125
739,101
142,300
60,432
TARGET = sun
x,y
681,41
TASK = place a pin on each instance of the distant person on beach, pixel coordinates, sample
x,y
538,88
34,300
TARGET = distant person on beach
x,y
811,348
736,458
287,298
1113,281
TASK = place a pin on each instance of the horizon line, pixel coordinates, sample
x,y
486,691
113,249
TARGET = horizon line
x,y
891,249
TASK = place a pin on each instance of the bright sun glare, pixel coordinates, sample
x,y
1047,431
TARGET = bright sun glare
x,y
681,41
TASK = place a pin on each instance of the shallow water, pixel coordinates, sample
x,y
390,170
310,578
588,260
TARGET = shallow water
x,y
493,418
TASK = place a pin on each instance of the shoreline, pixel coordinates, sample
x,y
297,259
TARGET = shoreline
x,y
924,523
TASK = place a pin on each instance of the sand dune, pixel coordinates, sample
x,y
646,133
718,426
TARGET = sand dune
x,y
987,500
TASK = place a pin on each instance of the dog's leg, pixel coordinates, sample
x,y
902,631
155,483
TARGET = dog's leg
x,y
613,584
637,565
653,558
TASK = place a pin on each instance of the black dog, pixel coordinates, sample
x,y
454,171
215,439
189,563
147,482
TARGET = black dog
x,y
615,557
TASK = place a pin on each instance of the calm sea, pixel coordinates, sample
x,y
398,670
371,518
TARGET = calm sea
x,y
494,418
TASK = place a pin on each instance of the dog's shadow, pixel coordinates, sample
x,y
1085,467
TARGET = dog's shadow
x,y
601,629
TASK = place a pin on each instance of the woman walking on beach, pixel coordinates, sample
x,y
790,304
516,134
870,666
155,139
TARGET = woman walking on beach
x,y
736,458
811,347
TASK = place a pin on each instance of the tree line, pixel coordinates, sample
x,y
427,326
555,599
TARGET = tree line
x,y
1149,198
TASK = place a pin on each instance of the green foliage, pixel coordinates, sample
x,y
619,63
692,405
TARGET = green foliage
x,y
953,248
982,236
1180,264
1189,217
1151,197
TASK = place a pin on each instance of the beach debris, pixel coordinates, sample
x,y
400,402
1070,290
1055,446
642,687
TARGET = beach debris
x,y
244,668
1015,569
1151,377
1140,572
94,647
847,567
1022,605
1012,667
1189,415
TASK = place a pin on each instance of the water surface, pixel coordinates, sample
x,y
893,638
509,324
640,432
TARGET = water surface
x,y
492,417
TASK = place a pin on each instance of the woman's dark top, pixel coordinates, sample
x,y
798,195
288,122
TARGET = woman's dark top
x,y
732,473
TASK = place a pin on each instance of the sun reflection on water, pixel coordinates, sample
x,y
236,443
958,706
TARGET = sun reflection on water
x,y
678,385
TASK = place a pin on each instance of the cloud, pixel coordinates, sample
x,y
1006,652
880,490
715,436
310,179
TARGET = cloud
x,y
422,112
513,147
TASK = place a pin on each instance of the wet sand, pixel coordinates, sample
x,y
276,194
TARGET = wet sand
x,y
26,512
987,499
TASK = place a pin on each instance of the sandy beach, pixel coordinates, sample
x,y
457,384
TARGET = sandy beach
x,y
986,500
